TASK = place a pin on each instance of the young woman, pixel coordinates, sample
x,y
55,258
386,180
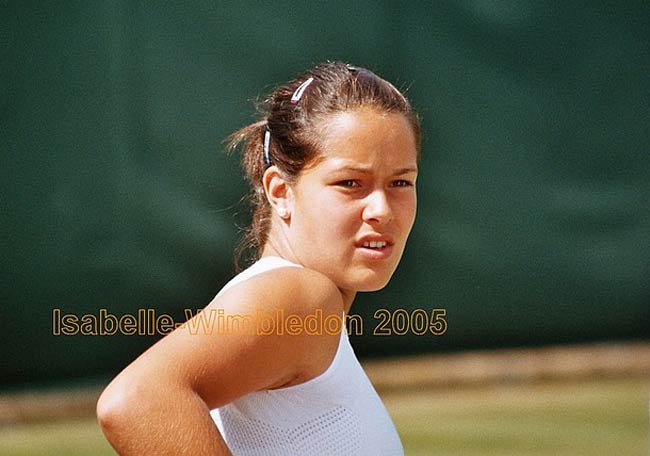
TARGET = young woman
x,y
332,166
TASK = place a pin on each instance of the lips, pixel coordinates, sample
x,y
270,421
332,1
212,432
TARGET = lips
x,y
375,246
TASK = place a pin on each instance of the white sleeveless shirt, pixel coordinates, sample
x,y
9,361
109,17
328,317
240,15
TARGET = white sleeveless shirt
x,y
335,413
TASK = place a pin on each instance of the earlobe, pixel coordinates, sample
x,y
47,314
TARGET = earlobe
x,y
278,192
282,212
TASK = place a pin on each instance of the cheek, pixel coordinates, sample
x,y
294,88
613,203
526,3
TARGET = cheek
x,y
322,214
414,207
342,218
408,209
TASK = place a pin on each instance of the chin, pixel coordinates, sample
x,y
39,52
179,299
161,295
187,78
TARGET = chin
x,y
373,282
373,288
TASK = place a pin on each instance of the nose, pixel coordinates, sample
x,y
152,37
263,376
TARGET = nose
x,y
377,210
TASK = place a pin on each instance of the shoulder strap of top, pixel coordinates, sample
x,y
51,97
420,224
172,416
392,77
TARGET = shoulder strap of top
x,y
262,265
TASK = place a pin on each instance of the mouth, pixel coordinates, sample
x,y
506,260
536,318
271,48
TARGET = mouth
x,y
374,244
375,249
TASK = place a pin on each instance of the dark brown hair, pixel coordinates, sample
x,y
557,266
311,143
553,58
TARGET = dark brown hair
x,y
295,128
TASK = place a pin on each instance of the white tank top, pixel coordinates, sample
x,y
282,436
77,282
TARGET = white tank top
x,y
335,413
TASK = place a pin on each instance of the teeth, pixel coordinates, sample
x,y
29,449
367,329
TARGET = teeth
x,y
375,244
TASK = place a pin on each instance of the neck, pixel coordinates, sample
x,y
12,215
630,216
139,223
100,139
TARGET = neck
x,y
348,299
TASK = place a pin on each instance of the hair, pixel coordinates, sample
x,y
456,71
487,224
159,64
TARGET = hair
x,y
295,127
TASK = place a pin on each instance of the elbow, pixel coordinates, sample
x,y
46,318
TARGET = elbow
x,y
117,407
110,409
127,402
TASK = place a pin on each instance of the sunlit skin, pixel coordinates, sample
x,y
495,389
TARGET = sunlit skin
x,y
363,183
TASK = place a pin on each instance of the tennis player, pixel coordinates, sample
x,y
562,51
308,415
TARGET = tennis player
x,y
332,166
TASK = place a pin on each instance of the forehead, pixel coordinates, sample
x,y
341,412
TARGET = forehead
x,y
369,137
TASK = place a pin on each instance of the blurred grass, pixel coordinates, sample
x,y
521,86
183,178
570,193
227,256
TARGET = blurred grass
x,y
586,417
78,437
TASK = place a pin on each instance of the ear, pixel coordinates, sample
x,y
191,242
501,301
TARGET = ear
x,y
278,192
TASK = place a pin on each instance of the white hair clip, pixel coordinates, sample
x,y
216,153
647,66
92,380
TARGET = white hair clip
x,y
267,140
300,90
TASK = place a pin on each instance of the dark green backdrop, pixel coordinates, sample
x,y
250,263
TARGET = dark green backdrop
x,y
534,214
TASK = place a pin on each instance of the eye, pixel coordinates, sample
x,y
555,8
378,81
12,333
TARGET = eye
x,y
349,183
402,183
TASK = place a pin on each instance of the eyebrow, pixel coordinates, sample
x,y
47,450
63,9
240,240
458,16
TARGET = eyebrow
x,y
398,172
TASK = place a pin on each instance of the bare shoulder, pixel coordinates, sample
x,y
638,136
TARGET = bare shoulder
x,y
299,304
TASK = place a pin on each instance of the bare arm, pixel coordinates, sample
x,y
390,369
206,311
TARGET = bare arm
x,y
164,420
160,403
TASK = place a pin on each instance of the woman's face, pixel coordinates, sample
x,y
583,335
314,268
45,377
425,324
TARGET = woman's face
x,y
353,210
